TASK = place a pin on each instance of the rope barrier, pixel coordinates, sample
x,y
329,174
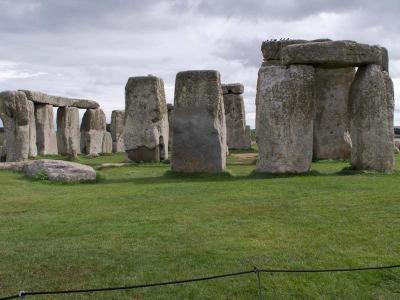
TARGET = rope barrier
x,y
256,271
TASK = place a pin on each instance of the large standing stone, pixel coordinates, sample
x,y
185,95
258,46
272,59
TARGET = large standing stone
x,y
32,130
170,108
371,123
107,143
146,119
92,131
117,130
68,133
284,118
235,116
199,130
46,139
331,116
15,114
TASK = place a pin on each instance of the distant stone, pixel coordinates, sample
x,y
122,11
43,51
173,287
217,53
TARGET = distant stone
x,y
57,101
68,133
199,130
232,88
334,54
284,122
248,136
397,143
170,108
371,122
146,119
107,143
58,170
93,127
32,130
117,130
331,116
15,112
46,139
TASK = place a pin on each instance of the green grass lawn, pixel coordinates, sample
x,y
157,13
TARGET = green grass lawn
x,y
142,223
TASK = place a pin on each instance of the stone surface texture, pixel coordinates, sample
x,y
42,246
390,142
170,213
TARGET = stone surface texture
x,y
117,130
146,119
68,132
15,114
371,122
199,130
58,170
93,127
284,118
170,108
107,145
39,97
46,139
32,130
331,115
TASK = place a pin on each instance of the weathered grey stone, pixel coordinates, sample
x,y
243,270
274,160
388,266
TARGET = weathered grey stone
x,y
248,136
57,101
331,116
170,108
334,54
58,170
235,118
232,88
284,118
371,122
14,112
68,133
3,153
107,143
146,119
92,131
199,130
46,139
32,130
117,130
271,50
15,166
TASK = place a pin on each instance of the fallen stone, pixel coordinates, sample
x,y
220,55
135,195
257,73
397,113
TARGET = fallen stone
x,y
146,119
14,166
107,143
232,88
93,127
117,130
58,170
199,130
334,54
331,116
46,139
57,101
284,122
15,115
371,122
68,133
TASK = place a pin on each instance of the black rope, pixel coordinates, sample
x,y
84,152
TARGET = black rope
x,y
22,294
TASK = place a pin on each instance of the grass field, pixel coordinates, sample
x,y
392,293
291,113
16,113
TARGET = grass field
x,y
142,223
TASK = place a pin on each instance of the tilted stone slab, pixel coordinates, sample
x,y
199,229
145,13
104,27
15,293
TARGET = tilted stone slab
x,y
331,116
146,119
284,118
371,122
15,112
39,97
199,130
232,88
335,54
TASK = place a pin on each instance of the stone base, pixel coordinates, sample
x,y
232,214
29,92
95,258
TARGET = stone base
x,y
144,154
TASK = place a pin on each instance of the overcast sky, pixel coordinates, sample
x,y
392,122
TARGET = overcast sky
x,y
88,49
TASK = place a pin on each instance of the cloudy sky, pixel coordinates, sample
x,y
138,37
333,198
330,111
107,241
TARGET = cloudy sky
x,y
89,48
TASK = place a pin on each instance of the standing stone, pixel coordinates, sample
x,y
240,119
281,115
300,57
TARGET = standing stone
x,y
371,123
92,131
46,139
14,112
117,130
284,118
32,130
107,143
331,115
235,116
199,130
68,133
146,119
170,108
247,136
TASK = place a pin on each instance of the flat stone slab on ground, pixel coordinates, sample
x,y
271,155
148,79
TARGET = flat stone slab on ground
x,y
59,170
